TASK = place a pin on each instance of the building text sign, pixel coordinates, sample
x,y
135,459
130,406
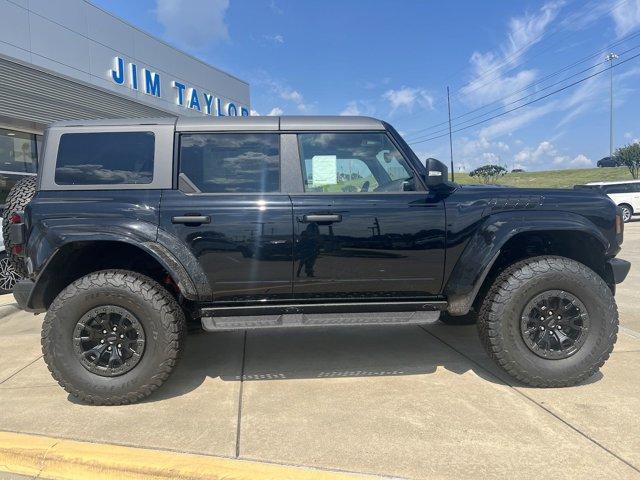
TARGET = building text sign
x,y
148,81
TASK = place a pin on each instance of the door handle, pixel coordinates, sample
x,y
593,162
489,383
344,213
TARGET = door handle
x,y
331,218
191,219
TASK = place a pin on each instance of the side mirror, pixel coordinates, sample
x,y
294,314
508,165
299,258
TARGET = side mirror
x,y
437,172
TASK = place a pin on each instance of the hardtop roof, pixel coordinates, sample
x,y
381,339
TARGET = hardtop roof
x,y
284,123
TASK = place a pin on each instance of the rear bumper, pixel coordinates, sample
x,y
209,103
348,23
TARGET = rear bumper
x,y
22,293
619,269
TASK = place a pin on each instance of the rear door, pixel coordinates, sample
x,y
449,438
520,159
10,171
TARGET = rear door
x,y
229,211
365,228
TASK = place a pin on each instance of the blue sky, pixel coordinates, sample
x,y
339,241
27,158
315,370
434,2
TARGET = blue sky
x,y
393,60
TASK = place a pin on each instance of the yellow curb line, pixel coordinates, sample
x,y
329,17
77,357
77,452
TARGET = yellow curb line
x,y
60,459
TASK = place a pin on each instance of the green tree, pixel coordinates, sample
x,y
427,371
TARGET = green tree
x,y
488,173
629,156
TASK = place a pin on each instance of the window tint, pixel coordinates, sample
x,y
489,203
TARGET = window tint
x,y
352,163
105,158
620,188
231,162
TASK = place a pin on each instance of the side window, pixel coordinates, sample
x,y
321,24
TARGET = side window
x,y
105,158
353,163
231,162
618,188
17,152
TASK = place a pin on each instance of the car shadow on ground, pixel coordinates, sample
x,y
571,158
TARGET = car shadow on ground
x,y
323,353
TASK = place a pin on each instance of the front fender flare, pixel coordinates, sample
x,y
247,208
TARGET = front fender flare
x,y
484,248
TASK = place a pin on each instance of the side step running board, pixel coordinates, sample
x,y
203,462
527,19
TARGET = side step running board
x,y
239,318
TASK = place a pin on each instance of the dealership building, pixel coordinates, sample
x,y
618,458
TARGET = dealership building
x,y
68,59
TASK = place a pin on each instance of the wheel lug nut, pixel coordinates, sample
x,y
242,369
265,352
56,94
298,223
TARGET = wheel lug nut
x,y
115,328
104,331
544,308
119,345
121,336
102,341
541,318
559,317
541,328
109,348
559,327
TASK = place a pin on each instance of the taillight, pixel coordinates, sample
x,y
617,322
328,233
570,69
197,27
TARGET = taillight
x,y
17,249
15,218
619,226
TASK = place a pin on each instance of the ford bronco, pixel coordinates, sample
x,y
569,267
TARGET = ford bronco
x,y
134,228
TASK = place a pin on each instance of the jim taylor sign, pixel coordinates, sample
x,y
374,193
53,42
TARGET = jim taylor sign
x,y
148,81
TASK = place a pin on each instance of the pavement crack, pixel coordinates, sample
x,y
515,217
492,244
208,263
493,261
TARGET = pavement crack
x,y
240,393
21,369
532,400
44,460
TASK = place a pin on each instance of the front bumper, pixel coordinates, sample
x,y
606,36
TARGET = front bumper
x,y
619,269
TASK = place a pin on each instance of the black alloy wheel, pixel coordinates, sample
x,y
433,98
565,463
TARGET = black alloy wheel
x,y
109,341
554,324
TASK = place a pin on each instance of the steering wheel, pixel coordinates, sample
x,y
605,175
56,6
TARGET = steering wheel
x,y
394,186
365,186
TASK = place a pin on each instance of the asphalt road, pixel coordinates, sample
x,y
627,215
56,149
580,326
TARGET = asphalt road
x,y
406,401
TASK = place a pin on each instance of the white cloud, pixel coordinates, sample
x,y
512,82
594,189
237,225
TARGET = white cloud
x,y
254,113
285,92
275,112
279,39
358,107
406,98
490,79
275,8
193,31
512,122
291,95
626,16
351,109
581,161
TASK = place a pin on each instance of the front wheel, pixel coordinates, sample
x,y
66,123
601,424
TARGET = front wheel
x,y
112,337
549,321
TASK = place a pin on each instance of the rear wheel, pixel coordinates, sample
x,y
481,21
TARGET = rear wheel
x,y
112,337
19,197
627,212
549,321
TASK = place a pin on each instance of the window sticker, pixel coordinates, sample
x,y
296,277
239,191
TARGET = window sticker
x,y
324,170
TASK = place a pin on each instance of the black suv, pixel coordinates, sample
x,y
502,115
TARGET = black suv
x,y
135,228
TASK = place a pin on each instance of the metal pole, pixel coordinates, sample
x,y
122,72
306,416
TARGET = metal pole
x,y
450,136
611,57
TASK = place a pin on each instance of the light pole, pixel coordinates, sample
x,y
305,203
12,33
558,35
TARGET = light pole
x,y
610,58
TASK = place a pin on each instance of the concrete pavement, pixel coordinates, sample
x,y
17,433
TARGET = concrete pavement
x,y
407,401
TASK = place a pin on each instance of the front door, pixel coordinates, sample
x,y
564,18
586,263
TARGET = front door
x,y
365,228
229,211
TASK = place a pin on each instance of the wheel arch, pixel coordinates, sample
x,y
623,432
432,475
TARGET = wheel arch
x,y
80,257
500,242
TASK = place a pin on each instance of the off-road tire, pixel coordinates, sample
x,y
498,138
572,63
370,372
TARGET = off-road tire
x,y
501,311
19,196
153,306
470,318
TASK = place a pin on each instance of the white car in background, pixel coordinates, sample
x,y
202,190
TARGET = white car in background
x,y
8,276
626,194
